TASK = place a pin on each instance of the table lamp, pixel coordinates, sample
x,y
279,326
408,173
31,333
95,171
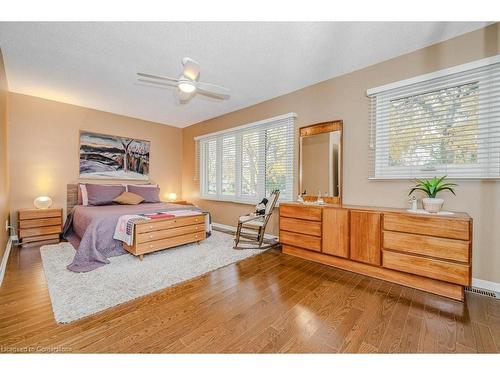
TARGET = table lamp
x,y
42,202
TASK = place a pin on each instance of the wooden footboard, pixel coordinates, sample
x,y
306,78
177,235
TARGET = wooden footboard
x,y
160,234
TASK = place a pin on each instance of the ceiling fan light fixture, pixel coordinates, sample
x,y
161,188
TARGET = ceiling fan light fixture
x,y
186,87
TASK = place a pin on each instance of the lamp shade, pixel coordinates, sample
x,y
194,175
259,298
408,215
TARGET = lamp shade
x,y
43,202
172,196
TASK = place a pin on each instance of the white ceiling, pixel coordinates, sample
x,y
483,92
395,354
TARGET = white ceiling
x,y
94,64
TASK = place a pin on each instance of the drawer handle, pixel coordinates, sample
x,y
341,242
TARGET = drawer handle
x,y
150,246
150,236
150,227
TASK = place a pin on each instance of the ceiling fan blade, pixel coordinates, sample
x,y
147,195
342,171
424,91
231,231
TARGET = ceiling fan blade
x,y
146,75
209,89
184,97
191,68
167,84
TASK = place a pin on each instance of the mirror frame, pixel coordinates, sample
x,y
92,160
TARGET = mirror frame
x,y
319,128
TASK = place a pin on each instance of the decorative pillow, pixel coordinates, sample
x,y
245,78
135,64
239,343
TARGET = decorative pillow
x,y
99,195
82,195
150,193
143,185
128,198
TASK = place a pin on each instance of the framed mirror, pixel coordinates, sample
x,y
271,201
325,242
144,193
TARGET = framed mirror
x,y
320,162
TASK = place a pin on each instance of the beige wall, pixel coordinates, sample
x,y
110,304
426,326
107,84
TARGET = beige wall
x,y
4,175
44,141
345,98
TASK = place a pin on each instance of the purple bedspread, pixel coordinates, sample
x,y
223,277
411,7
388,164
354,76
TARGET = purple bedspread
x,y
90,230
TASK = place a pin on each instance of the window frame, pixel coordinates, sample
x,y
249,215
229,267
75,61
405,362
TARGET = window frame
x,y
381,170
238,132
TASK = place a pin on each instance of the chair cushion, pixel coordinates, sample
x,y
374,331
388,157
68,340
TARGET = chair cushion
x,y
271,202
258,222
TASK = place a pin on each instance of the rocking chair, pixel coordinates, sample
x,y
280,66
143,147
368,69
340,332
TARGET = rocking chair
x,y
256,222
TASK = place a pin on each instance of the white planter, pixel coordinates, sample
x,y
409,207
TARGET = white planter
x,y
433,204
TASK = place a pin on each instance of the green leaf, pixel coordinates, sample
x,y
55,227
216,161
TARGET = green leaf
x,y
417,188
450,189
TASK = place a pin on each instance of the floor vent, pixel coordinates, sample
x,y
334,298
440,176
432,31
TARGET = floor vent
x,y
483,292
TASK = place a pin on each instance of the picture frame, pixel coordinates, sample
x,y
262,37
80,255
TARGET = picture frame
x,y
112,157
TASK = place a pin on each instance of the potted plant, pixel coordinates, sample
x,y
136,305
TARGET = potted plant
x,y
431,188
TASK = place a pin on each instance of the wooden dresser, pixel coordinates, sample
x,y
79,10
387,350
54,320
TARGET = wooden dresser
x,y
426,252
37,226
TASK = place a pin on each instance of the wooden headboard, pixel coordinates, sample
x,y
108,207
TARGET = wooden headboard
x,y
71,197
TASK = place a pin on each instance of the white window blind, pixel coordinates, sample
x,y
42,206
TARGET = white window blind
x,y
196,175
246,163
443,123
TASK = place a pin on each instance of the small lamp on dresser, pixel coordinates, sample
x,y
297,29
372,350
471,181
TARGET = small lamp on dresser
x,y
42,202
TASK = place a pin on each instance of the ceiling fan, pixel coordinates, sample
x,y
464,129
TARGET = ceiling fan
x,y
187,84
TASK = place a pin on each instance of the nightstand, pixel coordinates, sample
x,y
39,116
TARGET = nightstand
x,y
37,226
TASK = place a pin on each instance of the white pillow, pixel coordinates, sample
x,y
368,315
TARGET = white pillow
x,y
85,197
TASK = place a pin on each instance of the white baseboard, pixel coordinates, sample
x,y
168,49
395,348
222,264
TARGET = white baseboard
x,y
230,227
5,258
485,284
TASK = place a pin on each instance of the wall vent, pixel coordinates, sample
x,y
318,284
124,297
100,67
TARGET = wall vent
x,y
483,292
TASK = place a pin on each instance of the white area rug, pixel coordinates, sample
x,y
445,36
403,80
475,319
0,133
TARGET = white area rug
x,y
77,295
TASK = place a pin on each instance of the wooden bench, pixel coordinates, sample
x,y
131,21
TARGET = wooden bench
x,y
159,234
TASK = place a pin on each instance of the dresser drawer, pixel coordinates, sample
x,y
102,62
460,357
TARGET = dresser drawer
x,y
153,225
312,228
44,238
436,269
437,247
304,212
427,225
39,214
148,247
31,232
300,240
34,223
167,233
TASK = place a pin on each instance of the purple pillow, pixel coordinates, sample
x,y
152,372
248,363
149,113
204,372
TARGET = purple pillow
x,y
79,195
100,195
151,194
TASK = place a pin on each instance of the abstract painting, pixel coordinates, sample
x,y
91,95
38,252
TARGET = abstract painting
x,y
113,157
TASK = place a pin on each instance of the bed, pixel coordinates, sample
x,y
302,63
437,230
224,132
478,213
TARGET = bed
x,y
90,229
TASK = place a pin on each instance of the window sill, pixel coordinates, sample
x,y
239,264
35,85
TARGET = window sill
x,y
247,203
390,178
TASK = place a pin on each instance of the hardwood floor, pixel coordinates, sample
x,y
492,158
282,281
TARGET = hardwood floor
x,y
270,303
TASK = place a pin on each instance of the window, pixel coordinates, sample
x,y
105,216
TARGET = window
x,y
441,123
246,163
